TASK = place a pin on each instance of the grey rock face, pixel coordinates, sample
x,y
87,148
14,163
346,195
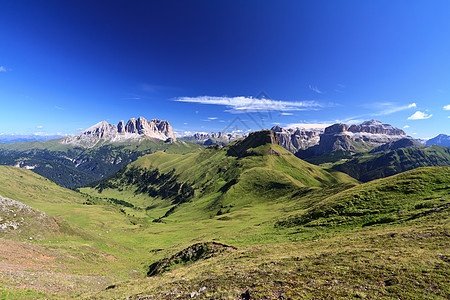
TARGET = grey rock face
x,y
133,130
121,127
376,127
212,138
294,139
363,137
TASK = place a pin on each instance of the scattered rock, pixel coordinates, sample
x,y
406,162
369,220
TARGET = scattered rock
x,y
246,295
191,254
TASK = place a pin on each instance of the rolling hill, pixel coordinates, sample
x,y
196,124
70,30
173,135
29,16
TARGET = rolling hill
x,y
253,170
384,239
374,165
248,220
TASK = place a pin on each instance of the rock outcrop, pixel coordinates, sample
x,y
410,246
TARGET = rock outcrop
x,y
213,138
133,130
355,138
294,139
255,139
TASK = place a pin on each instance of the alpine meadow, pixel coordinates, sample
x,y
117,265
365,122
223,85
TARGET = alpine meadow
x,y
224,150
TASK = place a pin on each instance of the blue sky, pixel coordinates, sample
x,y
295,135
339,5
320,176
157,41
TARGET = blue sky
x,y
224,65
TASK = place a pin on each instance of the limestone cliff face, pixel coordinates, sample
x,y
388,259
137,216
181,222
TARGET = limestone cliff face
x,y
134,130
294,139
363,137
212,138
376,127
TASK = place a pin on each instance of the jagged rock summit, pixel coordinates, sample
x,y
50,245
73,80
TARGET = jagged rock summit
x,y
213,138
294,139
134,129
363,137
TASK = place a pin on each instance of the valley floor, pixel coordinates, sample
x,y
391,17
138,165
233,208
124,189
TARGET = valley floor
x,y
379,263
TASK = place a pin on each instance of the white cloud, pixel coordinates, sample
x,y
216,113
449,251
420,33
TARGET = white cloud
x,y
212,118
406,126
315,89
2,69
393,109
308,126
418,115
39,127
249,104
286,114
447,107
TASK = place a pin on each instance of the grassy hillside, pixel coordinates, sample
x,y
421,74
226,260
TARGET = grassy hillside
x,y
371,166
380,240
82,235
248,219
74,166
216,181
404,197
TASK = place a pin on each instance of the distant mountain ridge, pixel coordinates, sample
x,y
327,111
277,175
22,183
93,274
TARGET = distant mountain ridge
x,y
133,130
354,138
294,139
20,138
212,138
440,140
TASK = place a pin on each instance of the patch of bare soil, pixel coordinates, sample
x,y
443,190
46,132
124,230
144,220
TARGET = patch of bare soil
x,y
28,266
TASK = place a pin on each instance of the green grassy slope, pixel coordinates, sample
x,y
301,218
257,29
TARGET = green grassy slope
x,y
380,240
301,231
407,196
382,164
214,182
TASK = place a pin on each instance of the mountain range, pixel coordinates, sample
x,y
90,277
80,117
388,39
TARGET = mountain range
x,y
212,138
94,153
103,149
223,222
133,130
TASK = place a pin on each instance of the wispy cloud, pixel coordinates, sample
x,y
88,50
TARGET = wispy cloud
x,y
286,114
212,118
249,104
391,108
418,115
39,127
315,89
308,126
2,69
447,107
406,126
59,107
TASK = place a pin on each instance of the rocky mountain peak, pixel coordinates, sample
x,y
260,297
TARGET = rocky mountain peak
x,y
294,139
354,138
133,130
336,128
254,140
376,127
